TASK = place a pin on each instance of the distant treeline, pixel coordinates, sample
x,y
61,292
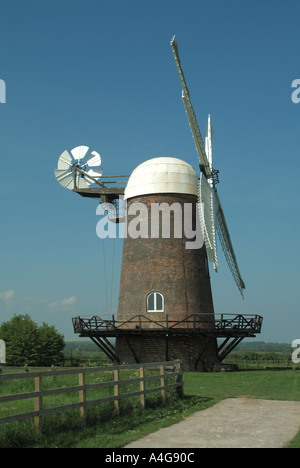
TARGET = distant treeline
x,y
262,347
84,348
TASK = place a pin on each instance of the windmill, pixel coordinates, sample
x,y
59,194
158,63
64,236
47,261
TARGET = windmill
x,y
165,302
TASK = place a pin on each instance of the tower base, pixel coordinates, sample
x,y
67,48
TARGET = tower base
x,y
192,340
197,353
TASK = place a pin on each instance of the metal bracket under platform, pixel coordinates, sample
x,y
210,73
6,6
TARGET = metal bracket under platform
x,y
233,328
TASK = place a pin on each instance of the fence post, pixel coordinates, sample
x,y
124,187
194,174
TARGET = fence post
x,y
162,382
179,380
38,402
82,397
142,387
117,390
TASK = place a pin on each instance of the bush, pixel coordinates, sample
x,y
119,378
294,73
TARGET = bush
x,y
29,344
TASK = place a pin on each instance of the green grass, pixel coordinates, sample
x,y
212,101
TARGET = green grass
x,y
105,431
271,384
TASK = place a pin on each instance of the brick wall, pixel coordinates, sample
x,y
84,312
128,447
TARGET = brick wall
x,y
181,275
197,353
166,266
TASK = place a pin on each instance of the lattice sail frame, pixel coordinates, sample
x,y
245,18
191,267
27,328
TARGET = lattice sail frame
x,y
212,213
226,244
207,219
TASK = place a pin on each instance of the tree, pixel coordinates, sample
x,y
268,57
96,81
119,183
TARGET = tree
x,y
28,344
51,346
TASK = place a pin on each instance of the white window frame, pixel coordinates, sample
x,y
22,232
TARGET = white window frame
x,y
155,309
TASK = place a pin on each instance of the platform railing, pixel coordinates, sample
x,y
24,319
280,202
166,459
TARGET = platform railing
x,y
219,323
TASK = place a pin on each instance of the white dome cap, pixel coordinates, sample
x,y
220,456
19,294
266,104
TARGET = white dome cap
x,y
162,175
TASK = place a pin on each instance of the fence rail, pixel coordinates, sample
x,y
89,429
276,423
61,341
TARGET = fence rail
x,y
166,370
261,363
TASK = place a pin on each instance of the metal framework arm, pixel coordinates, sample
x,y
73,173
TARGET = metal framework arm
x,y
204,164
212,203
226,244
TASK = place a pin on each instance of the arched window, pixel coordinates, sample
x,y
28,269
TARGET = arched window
x,y
155,302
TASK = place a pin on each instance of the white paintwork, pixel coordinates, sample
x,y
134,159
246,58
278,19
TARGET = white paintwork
x,y
162,175
207,219
94,159
64,161
64,174
208,144
2,352
79,152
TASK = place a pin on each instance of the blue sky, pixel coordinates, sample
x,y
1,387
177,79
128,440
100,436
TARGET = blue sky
x,y
102,74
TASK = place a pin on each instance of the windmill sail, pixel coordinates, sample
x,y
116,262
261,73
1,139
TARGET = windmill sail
x,y
226,244
191,114
207,219
210,210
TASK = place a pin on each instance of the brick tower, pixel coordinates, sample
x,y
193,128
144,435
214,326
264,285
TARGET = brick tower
x,y
165,284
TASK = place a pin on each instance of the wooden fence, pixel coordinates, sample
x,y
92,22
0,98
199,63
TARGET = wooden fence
x,y
261,363
166,371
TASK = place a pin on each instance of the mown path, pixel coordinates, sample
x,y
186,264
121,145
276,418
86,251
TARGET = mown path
x,y
231,423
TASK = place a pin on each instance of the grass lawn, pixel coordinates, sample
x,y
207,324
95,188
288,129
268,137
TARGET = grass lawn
x,y
201,391
271,385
